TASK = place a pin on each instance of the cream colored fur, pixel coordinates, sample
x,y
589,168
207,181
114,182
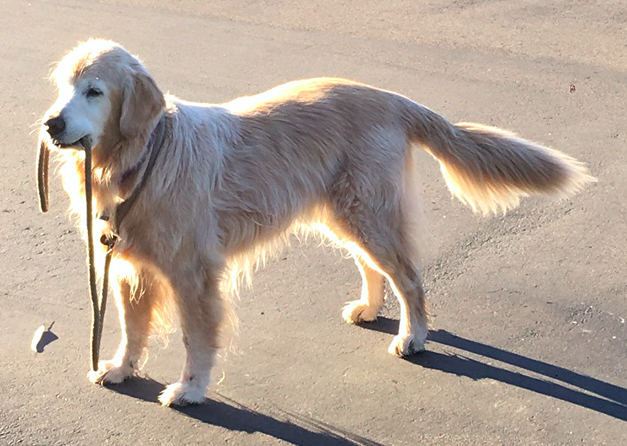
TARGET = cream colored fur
x,y
232,181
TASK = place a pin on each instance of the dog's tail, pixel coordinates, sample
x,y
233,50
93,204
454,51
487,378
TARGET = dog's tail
x,y
489,169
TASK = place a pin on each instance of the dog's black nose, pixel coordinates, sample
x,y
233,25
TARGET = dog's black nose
x,y
56,126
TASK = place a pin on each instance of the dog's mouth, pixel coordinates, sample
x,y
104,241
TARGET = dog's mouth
x,y
69,145
65,141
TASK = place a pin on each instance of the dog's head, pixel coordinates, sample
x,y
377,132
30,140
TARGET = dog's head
x,y
105,93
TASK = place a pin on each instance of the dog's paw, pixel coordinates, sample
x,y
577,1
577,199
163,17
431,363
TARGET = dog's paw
x,y
110,373
357,311
182,394
406,345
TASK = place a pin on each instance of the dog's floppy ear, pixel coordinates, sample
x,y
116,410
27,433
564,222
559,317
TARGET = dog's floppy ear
x,y
43,159
142,102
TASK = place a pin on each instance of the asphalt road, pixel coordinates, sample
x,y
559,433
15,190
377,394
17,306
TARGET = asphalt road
x,y
528,344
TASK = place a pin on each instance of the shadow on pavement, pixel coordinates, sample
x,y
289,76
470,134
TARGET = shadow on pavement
x,y
48,337
223,412
611,399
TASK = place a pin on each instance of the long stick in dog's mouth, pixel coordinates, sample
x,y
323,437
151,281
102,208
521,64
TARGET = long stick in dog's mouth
x,y
98,308
43,161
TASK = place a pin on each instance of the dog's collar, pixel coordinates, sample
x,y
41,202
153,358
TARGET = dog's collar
x,y
155,142
134,169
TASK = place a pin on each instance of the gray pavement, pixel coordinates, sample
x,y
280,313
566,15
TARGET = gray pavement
x,y
528,344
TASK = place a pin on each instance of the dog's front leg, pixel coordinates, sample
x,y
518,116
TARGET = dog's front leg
x,y
202,313
135,310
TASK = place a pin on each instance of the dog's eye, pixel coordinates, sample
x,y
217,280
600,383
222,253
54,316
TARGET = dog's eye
x,y
93,92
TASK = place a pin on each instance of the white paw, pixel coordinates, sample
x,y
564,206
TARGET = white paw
x,y
357,311
406,345
110,373
181,394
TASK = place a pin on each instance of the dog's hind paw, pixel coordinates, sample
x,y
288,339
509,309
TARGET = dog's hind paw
x,y
357,311
182,394
405,345
110,373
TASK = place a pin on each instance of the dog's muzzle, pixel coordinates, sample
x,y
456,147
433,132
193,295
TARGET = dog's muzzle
x,y
56,127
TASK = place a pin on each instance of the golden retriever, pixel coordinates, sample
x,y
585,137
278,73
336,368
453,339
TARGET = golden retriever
x,y
232,181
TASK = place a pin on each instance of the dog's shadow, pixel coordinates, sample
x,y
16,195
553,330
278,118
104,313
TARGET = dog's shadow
x,y
592,393
223,412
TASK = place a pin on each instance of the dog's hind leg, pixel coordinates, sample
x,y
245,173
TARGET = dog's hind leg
x,y
375,229
413,325
202,314
381,248
395,263
367,307
135,310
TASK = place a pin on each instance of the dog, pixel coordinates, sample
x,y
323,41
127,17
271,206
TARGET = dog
x,y
231,182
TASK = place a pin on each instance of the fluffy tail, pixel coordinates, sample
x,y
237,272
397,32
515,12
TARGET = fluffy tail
x,y
489,169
